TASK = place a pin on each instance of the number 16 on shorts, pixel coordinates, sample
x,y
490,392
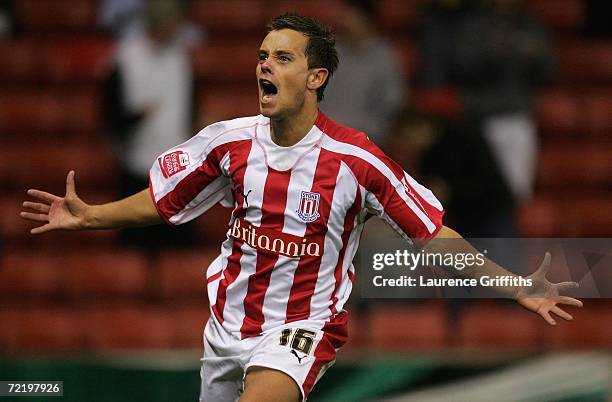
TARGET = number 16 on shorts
x,y
299,339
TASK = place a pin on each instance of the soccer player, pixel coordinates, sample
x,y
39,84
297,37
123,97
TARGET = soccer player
x,y
301,187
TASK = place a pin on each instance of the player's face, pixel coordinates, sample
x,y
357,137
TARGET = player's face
x,y
282,73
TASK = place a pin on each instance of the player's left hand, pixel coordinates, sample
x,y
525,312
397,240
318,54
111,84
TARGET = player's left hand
x,y
543,296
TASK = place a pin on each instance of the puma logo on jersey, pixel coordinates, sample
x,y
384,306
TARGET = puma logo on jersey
x,y
293,352
245,196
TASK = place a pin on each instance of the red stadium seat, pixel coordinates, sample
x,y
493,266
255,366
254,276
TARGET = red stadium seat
x,y
558,112
188,325
486,325
597,113
567,215
111,274
415,326
537,218
128,327
397,15
45,166
592,166
57,15
589,216
183,274
591,327
82,60
30,274
582,60
327,12
566,15
227,16
227,61
41,329
444,102
20,60
50,111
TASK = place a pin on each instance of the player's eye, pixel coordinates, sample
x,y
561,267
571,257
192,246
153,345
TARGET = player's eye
x,y
262,56
284,59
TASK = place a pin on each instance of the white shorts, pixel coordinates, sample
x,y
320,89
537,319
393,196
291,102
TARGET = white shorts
x,y
298,349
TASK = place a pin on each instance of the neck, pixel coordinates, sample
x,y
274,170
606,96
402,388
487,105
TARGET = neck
x,y
290,130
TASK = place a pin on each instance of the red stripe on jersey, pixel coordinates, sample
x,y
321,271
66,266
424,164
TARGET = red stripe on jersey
x,y
213,276
188,188
152,195
349,225
230,273
307,271
273,217
363,170
238,161
390,200
335,334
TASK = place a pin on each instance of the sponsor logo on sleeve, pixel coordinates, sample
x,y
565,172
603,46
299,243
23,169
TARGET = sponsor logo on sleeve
x,y
173,163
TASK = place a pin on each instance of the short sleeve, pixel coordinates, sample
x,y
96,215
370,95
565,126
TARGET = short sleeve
x,y
409,207
190,178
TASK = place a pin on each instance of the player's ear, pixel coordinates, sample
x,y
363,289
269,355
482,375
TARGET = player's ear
x,y
317,78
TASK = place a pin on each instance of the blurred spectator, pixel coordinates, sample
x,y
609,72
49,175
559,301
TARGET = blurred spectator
x,y
122,17
438,29
503,54
126,17
457,166
7,21
149,105
368,87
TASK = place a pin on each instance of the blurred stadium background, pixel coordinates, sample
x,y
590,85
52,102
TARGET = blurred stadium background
x,y
125,324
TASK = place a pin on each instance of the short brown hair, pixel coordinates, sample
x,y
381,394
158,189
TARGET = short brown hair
x,y
321,47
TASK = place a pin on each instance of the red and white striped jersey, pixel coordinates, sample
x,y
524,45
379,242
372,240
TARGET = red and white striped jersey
x,y
298,213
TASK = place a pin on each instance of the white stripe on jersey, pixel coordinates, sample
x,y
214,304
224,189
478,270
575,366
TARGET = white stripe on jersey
x,y
344,194
255,180
349,149
201,144
377,209
220,263
212,194
281,280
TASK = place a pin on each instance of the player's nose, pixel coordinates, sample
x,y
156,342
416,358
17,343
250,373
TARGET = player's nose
x,y
266,66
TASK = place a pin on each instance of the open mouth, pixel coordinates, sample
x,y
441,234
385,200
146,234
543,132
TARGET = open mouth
x,y
268,90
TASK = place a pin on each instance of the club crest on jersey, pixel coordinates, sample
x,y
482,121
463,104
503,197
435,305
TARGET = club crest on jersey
x,y
173,163
309,206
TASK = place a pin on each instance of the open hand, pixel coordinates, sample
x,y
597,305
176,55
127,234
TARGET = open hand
x,y
56,213
543,296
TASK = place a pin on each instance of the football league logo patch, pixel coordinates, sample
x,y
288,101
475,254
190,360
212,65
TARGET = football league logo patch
x,y
309,206
173,163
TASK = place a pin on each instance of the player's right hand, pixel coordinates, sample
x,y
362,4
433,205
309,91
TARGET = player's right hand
x,y
56,213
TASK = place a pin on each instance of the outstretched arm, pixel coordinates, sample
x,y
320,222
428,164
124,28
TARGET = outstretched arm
x,y
541,298
71,213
